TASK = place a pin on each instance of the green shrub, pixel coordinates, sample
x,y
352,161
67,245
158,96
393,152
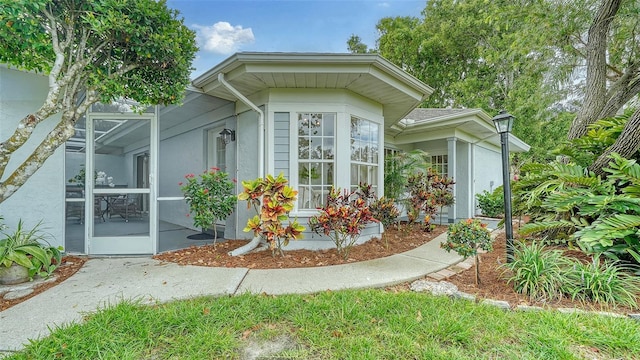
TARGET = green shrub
x,y
537,272
491,204
609,283
210,198
466,238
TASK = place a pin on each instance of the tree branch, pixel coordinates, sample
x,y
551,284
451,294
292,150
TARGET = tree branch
x,y
626,144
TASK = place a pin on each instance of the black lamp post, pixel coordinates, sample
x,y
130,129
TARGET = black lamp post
x,y
504,123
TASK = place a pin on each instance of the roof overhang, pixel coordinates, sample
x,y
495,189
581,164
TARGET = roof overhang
x,y
368,75
473,125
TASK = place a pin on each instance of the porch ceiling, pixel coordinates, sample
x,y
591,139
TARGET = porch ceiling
x,y
368,75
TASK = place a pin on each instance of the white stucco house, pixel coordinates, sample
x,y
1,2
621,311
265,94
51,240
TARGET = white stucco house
x,y
321,119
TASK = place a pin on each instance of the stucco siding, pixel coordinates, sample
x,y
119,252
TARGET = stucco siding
x,y
41,198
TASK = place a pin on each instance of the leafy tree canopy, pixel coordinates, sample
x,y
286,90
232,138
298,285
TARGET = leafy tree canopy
x,y
91,51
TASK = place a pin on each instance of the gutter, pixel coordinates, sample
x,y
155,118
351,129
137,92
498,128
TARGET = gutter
x,y
256,239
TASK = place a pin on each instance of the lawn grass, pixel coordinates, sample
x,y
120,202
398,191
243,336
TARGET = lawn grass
x,y
362,324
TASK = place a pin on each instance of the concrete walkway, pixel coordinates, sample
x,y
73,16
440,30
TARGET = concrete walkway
x,y
105,281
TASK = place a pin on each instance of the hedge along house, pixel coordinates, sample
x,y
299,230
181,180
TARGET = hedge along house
x,y
463,144
321,119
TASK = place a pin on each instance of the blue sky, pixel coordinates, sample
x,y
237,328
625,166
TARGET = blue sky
x,y
225,27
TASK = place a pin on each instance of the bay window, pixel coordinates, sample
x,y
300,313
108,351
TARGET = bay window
x,y
316,159
364,153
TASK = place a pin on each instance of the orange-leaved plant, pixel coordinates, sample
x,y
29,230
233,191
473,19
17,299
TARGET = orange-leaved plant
x,y
342,219
272,200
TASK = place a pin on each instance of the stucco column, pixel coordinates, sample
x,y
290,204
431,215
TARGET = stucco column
x,y
451,172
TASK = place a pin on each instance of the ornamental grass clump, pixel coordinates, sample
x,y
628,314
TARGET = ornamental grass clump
x,y
210,197
537,272
611,283
466,238
272,200
342,219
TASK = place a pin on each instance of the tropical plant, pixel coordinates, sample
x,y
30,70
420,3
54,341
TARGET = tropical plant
x,y
491,204
342,219
466,237
443,191
30,249
601,216
537,272
398,166
428,192
609,283
210,198
385,211
273,200
91,51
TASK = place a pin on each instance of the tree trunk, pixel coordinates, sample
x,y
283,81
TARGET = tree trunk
x,y
626,144
58,136
477,259
596,61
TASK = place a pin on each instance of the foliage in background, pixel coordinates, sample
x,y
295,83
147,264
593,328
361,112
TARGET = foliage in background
x,y
567,202
91,51
210,197
466,237
273,200
397,168
342,219
491,204
600,135
30,249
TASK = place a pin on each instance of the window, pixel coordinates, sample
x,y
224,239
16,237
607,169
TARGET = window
x,y
440,164
364,153
216,150
316,138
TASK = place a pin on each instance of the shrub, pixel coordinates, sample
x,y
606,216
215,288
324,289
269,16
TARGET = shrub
x,y
609,283
385,211
342,219
466,238
491,204
272,200
537,272
428,192
210,198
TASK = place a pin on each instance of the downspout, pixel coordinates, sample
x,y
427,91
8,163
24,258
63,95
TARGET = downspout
x,y
256,240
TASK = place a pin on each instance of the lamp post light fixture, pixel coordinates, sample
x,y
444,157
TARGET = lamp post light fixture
x,y
228,135
504,123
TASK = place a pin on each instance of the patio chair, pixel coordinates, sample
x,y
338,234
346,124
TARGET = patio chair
x,y
126,206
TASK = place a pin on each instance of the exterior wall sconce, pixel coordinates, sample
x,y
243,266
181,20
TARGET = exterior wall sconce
x,y
504,123
228,135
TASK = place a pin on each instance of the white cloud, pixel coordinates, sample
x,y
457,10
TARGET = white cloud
x,y
384,4
222,37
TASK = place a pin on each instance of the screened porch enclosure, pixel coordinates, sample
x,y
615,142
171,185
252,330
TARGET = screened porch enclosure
x,y
119,209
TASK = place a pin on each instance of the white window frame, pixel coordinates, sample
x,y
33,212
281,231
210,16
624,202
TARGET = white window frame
x,y
374,164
